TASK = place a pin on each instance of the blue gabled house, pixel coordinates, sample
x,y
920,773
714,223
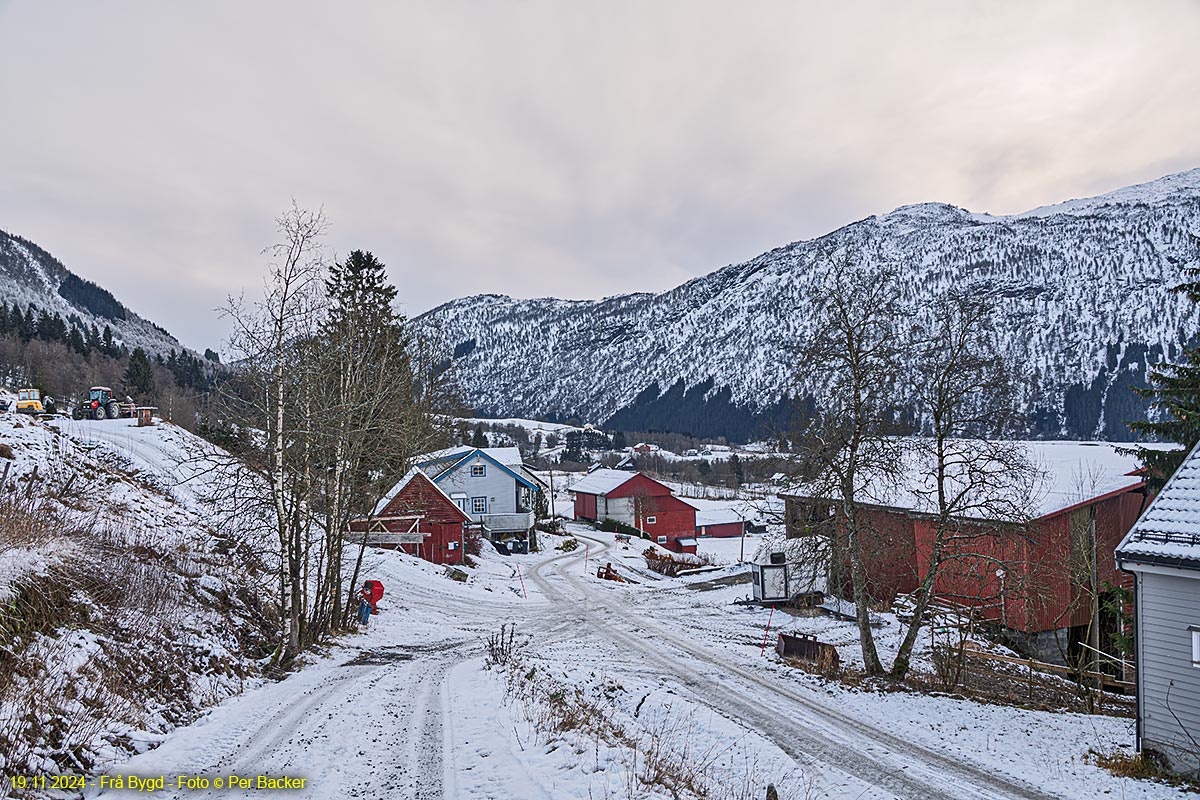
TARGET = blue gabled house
x,y
490,484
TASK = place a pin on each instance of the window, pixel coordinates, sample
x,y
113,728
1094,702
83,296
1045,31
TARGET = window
x,y
478,470
651,520
1195,645
478,505
662,540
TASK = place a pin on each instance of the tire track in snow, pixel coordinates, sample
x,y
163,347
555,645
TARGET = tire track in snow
x,y
816,734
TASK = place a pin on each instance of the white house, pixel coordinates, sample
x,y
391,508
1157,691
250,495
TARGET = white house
x,y
1163,552
490,484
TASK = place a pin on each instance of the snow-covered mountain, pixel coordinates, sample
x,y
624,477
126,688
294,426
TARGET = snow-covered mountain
x,y
1084,289
29,274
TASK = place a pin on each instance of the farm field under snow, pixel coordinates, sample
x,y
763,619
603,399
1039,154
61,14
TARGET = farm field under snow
x,y
409,709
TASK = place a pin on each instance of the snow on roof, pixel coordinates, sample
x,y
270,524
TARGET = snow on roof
x,y
395,490
714,512
1069,473
601,481
1170,528
508,456
392,492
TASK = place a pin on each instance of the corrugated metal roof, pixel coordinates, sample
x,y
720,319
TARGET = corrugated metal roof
x,y
1170,528
1069,473
601,481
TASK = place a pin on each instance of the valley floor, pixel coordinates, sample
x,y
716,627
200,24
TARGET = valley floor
x,y
408,708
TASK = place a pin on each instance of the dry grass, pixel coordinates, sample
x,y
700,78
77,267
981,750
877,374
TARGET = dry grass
x,y
89,643
1140,766
983,681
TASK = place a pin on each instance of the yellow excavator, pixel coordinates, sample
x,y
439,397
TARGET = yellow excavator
x,y
29,401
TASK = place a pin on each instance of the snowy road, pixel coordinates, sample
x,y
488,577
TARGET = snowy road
x,y
795,719
367,721
403,711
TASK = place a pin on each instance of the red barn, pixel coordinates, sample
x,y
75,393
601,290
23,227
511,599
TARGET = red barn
x,y
715,518
1034,579
640,502
416,516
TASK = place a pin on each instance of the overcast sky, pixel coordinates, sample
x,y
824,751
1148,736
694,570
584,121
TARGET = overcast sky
x,y
568,149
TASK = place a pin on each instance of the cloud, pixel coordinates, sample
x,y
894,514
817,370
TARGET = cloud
x,y
540,148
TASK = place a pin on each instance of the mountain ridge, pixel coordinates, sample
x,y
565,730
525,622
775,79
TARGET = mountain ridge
x,y
1084,287
31,275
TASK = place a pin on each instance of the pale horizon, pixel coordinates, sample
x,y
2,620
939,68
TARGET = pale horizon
x,y
548,151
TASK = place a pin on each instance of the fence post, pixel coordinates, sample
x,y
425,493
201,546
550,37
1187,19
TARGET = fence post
x,y
767,632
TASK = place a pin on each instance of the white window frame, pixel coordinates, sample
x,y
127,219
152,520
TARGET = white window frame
x,y
475,505
651,520
662,540
1195,631
482,470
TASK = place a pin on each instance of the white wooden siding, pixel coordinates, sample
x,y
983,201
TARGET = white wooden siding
x,y
497,486
1167,606
619,509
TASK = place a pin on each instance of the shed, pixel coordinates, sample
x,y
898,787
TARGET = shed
x,y
717,519
1162,552
418,517
684,544
769,576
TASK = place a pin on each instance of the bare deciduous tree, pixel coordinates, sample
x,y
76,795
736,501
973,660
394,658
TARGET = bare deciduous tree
x,y
332,396
976,484
853,360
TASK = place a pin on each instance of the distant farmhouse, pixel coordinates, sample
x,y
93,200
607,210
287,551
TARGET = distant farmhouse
x,y
491,485
428,512
638,501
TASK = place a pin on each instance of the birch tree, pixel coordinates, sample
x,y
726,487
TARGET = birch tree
x,y
272,338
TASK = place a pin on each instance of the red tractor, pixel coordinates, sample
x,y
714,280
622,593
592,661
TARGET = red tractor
x,y
100,404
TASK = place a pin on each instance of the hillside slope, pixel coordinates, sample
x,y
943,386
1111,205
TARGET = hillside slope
x,y
127,609
30,275
1084,288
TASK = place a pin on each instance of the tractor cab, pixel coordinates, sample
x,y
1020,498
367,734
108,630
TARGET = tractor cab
x,y
29,401
99,404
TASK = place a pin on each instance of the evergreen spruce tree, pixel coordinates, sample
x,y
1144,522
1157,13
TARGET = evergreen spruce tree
x,y
76,341
139,375
1174,392
15,320
479,438
28,324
